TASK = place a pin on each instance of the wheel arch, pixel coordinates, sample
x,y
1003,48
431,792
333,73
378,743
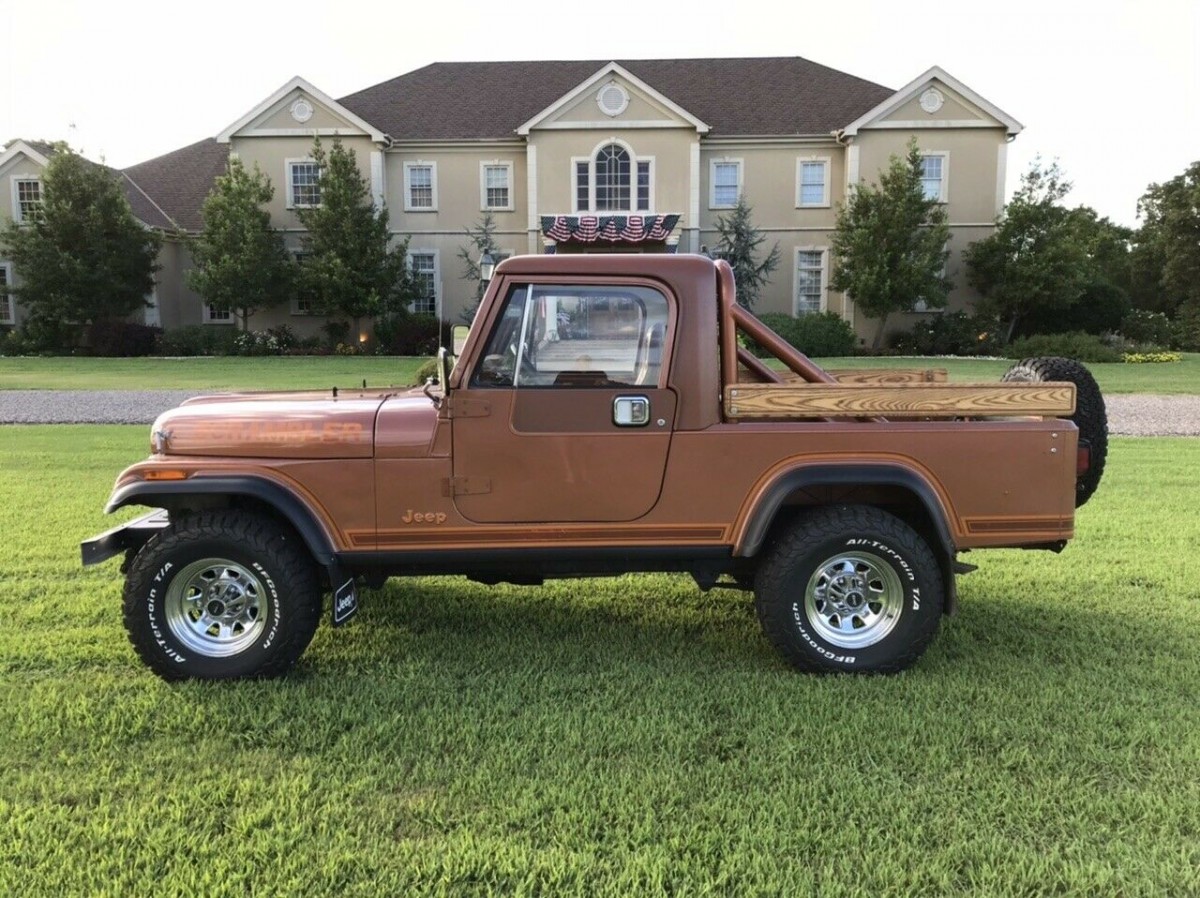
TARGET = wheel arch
x,y
896,488
244,491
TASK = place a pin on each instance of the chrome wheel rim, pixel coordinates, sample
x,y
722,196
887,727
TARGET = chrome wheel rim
x,y
853,600
216,607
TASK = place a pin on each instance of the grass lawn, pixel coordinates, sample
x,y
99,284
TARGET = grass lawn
x,y
624,737
322,372
209,373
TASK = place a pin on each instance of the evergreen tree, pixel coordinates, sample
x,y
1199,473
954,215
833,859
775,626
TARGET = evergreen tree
x,y
350,268
83,257
242,264
889,248
481,240
738,244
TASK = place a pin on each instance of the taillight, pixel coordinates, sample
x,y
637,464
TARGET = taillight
x,y
1083,459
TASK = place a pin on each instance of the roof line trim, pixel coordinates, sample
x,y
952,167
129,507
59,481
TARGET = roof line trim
x,y
904,94
613,68
298,83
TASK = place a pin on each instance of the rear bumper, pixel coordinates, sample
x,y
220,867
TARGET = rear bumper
x,y
132,535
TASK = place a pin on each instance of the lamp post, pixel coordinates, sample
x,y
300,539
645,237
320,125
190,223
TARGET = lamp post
x,y
487,267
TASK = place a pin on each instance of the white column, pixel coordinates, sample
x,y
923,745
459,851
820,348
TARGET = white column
x,y
377,186
531,181
694,195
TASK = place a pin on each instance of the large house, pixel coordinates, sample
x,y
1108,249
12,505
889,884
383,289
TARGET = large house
x,y
579,156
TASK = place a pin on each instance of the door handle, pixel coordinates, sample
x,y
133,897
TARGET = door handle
x,y
631,411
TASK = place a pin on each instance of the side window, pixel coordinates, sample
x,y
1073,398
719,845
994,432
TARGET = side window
x,y
577,337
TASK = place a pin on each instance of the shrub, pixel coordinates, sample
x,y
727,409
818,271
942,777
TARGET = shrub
x,y
1076,345
821,334
408,334
336,333
1143,358
198,339
427,370
14,342
1102,307
1144,327
950,333
123,339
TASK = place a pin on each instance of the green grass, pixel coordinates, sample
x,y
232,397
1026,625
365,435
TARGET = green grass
x,y
214,373
625,737
321,372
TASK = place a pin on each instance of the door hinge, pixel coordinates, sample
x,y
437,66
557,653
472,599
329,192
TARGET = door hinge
x,y
465,486
462,407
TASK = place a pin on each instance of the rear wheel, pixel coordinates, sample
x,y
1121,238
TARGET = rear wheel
x,y
222,595
1090,415
849,588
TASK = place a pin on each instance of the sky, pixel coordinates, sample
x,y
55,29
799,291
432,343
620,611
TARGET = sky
x,y
1109,88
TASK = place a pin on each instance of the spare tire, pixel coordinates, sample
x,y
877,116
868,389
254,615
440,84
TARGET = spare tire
x,y
1090,416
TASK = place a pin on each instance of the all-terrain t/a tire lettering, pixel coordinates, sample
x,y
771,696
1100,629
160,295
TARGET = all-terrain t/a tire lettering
x,y
850,589
222,595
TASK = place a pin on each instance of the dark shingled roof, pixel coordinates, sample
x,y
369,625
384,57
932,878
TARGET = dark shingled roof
x,y
179,181
743,97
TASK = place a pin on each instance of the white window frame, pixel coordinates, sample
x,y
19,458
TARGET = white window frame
x,y
437,275
712,181
483,188
433,185
8,305
590,161
210,312
17,180
288,164
944,193
824,251
801,161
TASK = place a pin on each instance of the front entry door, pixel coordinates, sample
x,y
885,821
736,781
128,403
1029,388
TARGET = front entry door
x,y
566,418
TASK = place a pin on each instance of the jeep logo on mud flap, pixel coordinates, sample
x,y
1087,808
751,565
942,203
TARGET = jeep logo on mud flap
x,y
345,602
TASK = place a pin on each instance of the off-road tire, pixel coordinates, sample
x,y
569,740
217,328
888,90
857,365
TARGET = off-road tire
x,y
1090,415
253,571
898,609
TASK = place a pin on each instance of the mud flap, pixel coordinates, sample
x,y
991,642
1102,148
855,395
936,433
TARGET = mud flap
x,y
345,594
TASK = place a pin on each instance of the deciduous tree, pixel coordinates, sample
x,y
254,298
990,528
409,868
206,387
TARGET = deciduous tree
x,y
1037,259
889,248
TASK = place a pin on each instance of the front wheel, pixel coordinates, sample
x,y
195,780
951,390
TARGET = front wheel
x,y
849,589
222,595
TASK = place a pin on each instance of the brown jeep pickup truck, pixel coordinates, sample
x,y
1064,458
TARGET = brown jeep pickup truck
x,y
603,416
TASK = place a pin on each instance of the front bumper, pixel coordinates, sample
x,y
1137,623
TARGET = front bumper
x,y
131,535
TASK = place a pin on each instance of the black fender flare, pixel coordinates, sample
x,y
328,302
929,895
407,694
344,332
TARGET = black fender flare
x,y
285,503
805,476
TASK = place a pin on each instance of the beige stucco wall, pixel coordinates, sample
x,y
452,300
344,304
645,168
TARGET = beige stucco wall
x,y
669,148
641,108
271,155
971,168
18,168
954,108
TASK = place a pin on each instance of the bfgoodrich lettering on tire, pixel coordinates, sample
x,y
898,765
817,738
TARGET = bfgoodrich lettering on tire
x,y
851,589
222,595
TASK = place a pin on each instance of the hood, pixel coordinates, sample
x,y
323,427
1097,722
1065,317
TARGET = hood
x,y
272,425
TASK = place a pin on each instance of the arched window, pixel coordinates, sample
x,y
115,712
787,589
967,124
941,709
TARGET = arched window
x,y
606,182
612,179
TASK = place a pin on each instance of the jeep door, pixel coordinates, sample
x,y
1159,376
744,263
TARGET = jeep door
x,y
565,415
